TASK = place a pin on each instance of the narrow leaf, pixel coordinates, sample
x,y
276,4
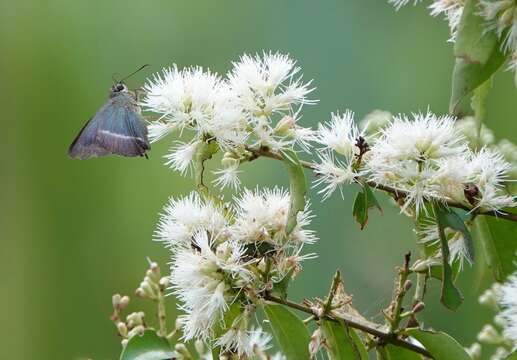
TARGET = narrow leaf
x,y
149,346
439,344
280,287
289,331
451,297
341,344
297,188
497,237
473,43
467,76
364,201
400,353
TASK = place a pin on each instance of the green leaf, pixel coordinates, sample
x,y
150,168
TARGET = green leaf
x,y
467,76
289,331
297,188
364,201
451,297
149,346
280,287
497,237
341,342
400,353
473,43
439,344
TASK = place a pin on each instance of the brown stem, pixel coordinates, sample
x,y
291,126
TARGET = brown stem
x,y
384,336
396,193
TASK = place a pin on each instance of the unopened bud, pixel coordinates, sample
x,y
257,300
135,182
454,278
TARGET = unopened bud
x,y
135,319
489,298
122,329
407,285
489,335
182,350
419,306
284,125
116,300
124,342
506,18
137,330
124,302
315,342
164,283
474,351
140,292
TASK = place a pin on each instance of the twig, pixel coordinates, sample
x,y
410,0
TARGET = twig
x,y
386,337
399,292
396,193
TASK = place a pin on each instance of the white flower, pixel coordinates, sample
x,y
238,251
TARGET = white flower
x,y
182,97
183,218
265,85
333,174
373,122
243,341
340,134
181,156
261,216
408,153
488,170
228,177
205,282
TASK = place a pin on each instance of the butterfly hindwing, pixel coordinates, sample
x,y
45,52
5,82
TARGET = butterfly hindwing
x,y
117,128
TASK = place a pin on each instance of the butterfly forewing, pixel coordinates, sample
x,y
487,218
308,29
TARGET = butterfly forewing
x,y
117,128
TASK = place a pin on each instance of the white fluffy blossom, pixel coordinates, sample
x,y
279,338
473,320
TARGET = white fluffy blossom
x,y
508,301
488,170
244,341
261,216
181,156
183,218
501,16
407,154
336,165
203,279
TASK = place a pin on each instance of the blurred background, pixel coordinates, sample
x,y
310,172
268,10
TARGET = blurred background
x,y
73,233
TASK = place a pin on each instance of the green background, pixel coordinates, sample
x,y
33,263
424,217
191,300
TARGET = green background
x,y
73,233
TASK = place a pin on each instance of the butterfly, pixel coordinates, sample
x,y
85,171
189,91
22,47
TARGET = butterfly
x,y
116,129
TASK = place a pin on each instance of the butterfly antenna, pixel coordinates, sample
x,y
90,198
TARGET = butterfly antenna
x,y
134,72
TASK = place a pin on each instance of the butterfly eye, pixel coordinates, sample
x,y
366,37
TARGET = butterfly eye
x,y
119,87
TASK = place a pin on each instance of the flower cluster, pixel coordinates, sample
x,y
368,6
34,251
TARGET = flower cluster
x,y
424,157
502,299
256,105
224,255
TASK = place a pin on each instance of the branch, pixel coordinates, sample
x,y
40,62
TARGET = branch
x,y
386,337
396,193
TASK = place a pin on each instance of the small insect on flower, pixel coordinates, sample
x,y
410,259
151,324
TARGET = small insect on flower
x,y
116,129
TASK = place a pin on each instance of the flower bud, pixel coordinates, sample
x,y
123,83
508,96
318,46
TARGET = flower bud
x,y
122,329
419,306
315,342
137,330
116,301
407,285
164,283
285,125
474,351
124,342
124,302
489,335
200,347
229,160
135,319
182,350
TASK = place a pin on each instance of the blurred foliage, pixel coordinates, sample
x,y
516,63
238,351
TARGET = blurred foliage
x,y
73,233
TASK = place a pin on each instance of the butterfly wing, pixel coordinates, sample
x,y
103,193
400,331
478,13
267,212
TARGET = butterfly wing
x,y
117,128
